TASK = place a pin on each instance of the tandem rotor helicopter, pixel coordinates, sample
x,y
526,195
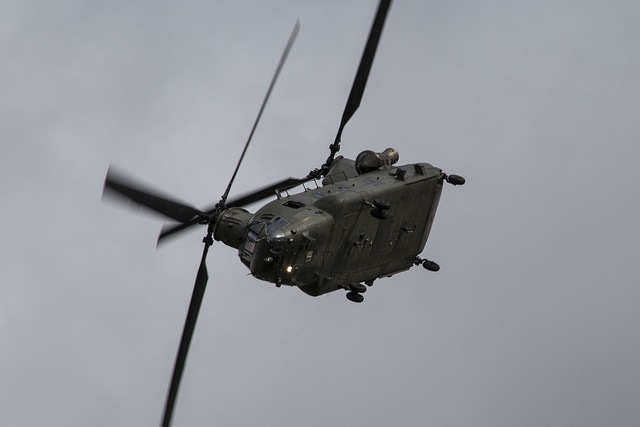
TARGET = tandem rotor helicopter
x,y
369,219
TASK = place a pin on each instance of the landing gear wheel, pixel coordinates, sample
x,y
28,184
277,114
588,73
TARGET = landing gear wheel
x,y
430,265
382,205
355,297
377,213
455,180
358,287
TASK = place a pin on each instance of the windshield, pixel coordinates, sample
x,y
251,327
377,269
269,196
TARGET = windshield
x,y
276,238
274,235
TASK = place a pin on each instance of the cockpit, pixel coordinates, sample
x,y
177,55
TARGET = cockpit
x,y
265,245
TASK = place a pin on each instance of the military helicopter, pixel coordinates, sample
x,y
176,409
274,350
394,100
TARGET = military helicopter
x,y
368,219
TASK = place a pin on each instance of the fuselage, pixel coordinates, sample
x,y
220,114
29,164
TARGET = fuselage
x,y
325,238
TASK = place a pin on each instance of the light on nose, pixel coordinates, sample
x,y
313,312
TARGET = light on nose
x,y
289,269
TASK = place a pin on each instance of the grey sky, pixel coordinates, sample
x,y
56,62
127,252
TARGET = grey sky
x,y
533,318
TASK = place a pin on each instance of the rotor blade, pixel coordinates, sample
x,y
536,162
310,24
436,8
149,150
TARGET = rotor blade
x,y
169,230
292,38
139,194
263,193
187,333
363,73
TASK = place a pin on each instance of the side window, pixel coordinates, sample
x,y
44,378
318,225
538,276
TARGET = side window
x,y
250,244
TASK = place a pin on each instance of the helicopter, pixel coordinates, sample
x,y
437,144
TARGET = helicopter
x,y
369,218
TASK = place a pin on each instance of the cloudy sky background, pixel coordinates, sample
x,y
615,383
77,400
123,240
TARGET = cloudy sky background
x,y
533,318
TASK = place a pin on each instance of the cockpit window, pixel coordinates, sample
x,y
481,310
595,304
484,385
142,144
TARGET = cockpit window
x,y
276,238
274,234
255,229
265,218
250,244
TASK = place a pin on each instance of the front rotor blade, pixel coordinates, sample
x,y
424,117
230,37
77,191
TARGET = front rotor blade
x,y
187,333
169,230
139,194
363,73
292,38
255,196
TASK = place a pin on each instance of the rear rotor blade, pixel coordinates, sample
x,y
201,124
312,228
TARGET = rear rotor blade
x,y
117,183
292,38
243,200
187,333
362,75
263,193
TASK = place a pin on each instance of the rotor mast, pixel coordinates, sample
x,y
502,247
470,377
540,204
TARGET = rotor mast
x,y
359,83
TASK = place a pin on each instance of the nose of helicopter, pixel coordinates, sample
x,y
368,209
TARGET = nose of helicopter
x,y
271,262
262,263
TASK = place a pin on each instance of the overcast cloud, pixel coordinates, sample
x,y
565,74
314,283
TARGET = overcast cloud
x,y
533,318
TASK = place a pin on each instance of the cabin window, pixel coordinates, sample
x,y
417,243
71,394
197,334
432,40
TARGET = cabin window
x,y
294,204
